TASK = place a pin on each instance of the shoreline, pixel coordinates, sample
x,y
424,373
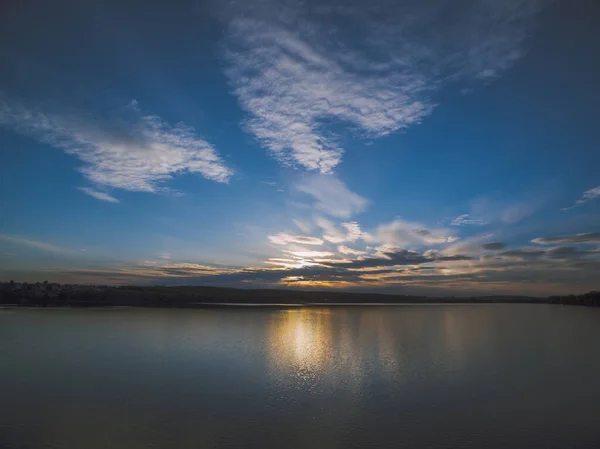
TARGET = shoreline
x,y
270,306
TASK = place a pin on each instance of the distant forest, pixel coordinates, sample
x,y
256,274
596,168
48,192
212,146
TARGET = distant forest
x,y
45,294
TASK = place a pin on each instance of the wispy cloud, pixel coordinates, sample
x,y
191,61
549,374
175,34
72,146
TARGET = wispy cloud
x,y
355,232
297,70
342,249
129,151
471,245
284,238
576,239
102,196
588,195
494,209
351,231
33,244
310,253
332,233
348,240
402,234
304,226
332,196
466,219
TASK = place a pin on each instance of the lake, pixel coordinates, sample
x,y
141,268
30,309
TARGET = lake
x,y
418,376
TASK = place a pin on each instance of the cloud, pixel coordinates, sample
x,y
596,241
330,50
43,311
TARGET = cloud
x,y
310,254
515,257
354,232
342,249
517,212
333,234
300,70
303,226
351,231
470,246
102,196
33,244
403,233
284,238
182,269
466,219
577,239
399,257
588,195
568,252
493,246
520,253
332,196
129,151
542,276
495,209
522,270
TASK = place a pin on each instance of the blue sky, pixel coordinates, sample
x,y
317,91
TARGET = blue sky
x,y
419,147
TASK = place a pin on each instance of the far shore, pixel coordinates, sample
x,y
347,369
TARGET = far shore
x,y
51,295
240,305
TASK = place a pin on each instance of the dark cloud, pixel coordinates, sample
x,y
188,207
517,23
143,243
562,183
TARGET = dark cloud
x,y
577,239
330,272
523,254
494,246
389,259
521,270
402,257
568,252
432,278
563,253
427,268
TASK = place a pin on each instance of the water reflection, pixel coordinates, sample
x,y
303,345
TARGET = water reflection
x,y
338,345
300,340
302,378
313,343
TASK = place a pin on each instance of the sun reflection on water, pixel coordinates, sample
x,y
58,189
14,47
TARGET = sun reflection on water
x,y
300,340
332,344
341,345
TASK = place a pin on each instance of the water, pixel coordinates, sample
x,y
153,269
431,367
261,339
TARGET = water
x,y
443,376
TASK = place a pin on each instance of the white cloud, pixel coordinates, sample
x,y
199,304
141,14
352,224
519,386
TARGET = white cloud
x,y
469,246
332,233
402,234
466,219
136,153
342,249
296,70
588,195
354,232
383,251
332,196
284,238
310,254
102,196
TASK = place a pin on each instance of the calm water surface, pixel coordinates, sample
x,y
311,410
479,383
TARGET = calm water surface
x,y
444,376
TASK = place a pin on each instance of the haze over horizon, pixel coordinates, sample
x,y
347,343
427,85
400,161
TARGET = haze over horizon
x,y
410,147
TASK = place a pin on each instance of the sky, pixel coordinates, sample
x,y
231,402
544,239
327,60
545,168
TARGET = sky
x,y
406,146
